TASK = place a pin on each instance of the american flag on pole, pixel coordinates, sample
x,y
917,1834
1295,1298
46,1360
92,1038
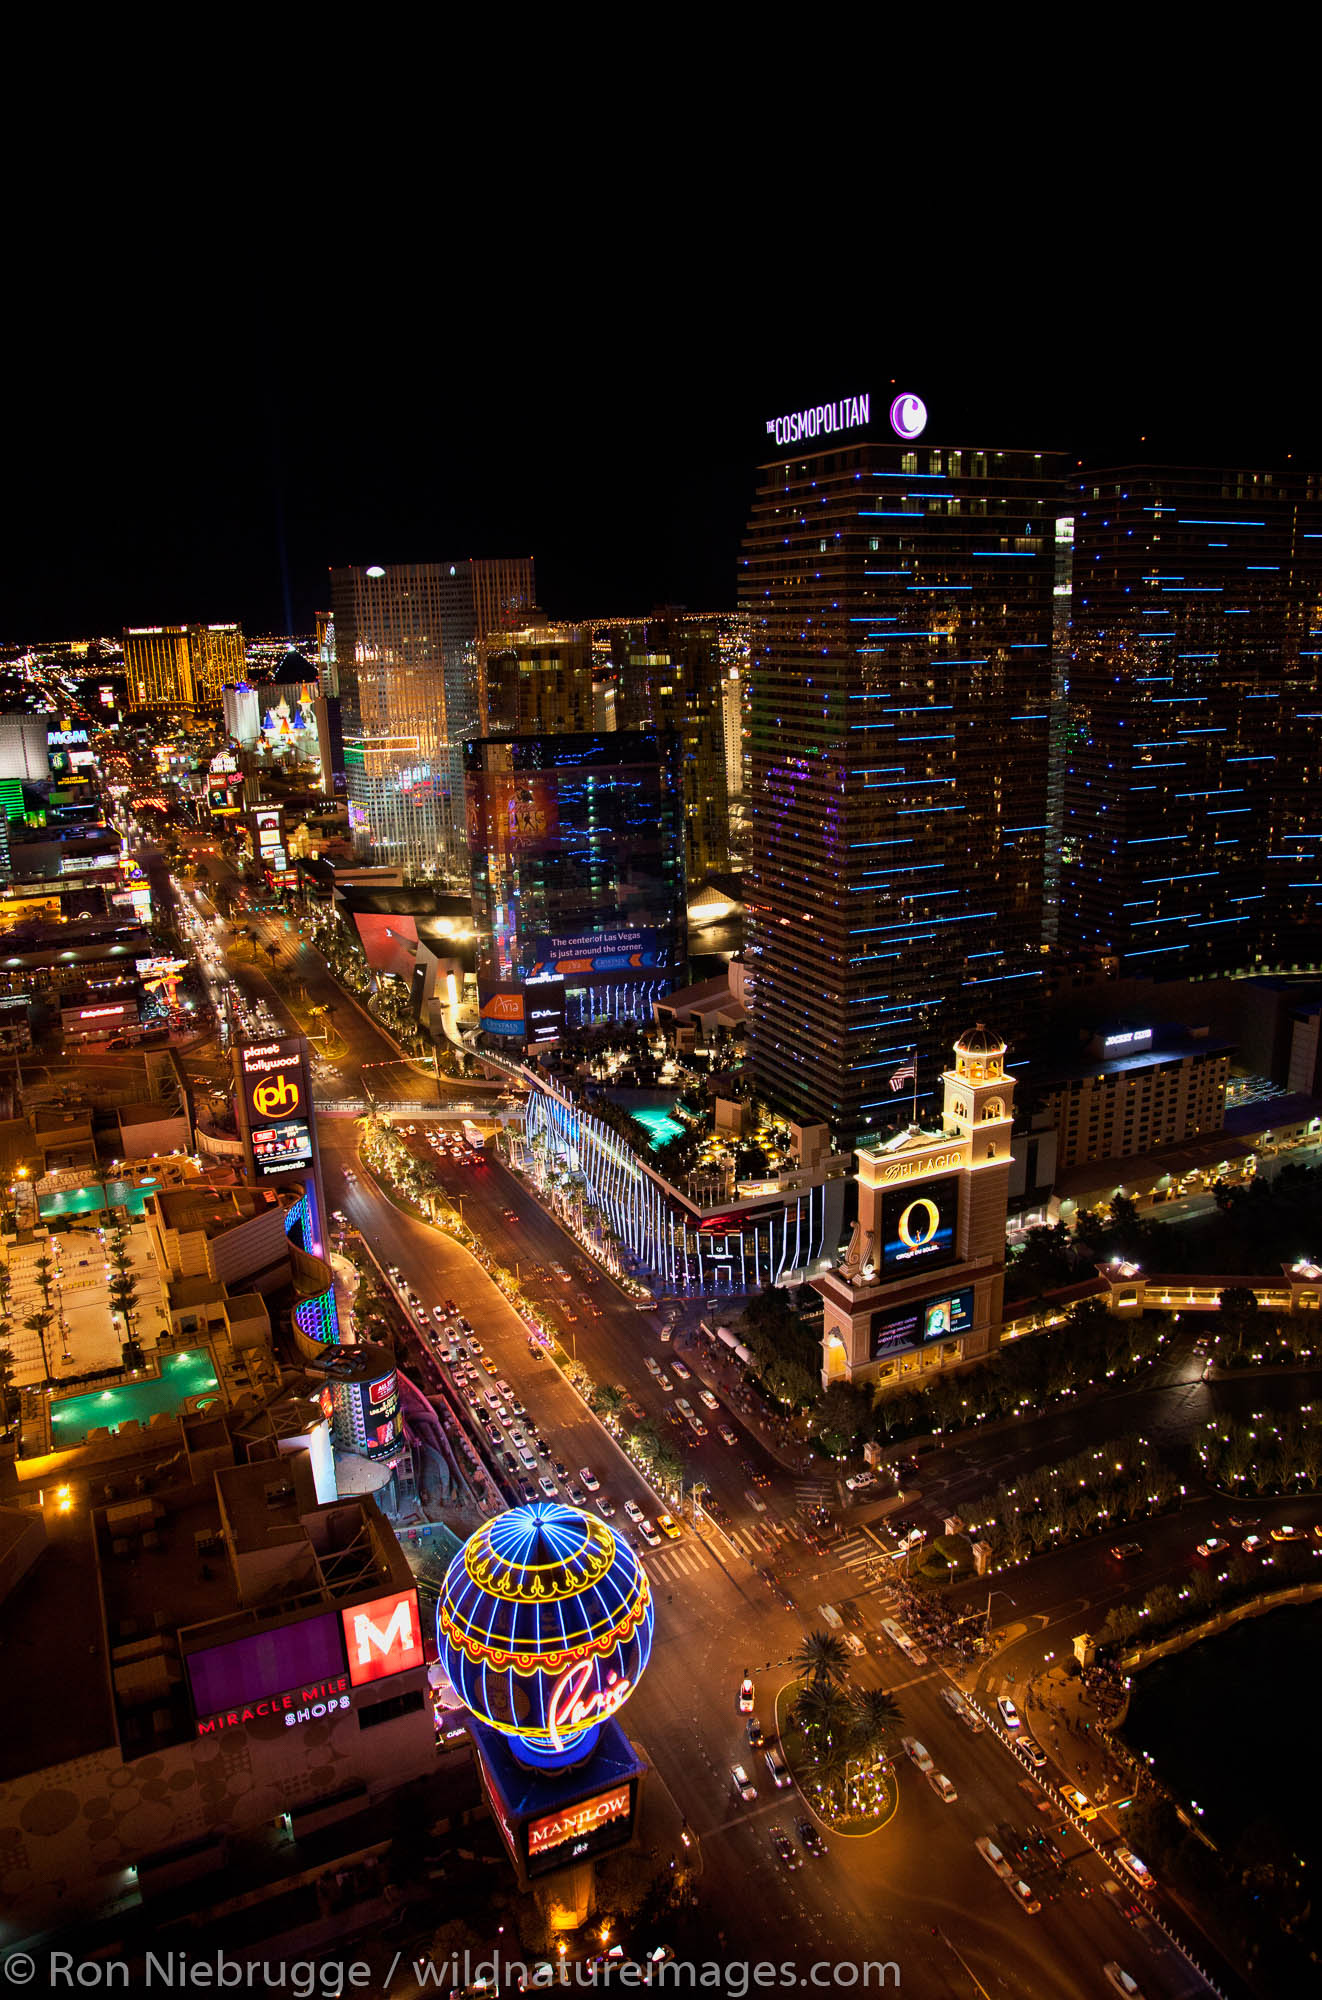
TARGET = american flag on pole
x,y
906,1073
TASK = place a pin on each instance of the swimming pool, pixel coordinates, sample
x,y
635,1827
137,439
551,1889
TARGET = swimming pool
x,y
83,1200
659,1123
182,1376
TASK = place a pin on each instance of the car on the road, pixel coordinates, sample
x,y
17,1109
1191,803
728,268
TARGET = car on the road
x,y
634,1511
1137,1871
605,1507
1008,1712
779,1769
1125,1551
712,1402
1214,1547
669,1527
1122,1981
510,1215
916,1753
942,1786
649,1533
651,1364
810,1838
745,1703
588,1478
851,1614
1121,1900
438,1312
754,1732
548,1486
677,1368
560,1469
663,1382
785,1850
1286,1533
528,1460
1034,1752
577,1497
743,1784
635,1409
1024,1896
728,1435
993,1857
858,1480
1080,1801
1251,1544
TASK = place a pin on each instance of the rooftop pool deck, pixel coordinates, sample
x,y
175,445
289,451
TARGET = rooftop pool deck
x,y
84,1200
182,1376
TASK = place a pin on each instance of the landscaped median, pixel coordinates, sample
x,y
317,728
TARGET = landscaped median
x,y
850,1796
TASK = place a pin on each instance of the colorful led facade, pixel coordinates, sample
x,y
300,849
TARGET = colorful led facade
x,y
544,1626
577,872
1191,831
901,677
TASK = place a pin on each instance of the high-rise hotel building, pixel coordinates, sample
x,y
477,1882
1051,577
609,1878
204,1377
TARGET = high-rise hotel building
x,y
1191,829
901,679
404,645
182,666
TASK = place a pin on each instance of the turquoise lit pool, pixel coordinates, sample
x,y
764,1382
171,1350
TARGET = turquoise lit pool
x,y
83,1200
659,1123
182,1376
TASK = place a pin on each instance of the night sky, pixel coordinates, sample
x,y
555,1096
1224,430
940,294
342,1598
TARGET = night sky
x,y
216,467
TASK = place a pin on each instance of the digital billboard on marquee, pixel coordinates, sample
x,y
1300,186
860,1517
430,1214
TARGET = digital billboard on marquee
x,y
918,1226
275,1106
573,1831
546,1015
929,1319
277,1148
501,1010
621,950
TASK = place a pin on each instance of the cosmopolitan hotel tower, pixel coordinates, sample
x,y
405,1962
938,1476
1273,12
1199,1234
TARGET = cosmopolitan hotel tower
x,y
901,597
404,645
1191,833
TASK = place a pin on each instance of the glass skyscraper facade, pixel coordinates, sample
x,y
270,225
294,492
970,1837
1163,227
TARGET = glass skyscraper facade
x,y
1191,830
901,600
404,643
671,674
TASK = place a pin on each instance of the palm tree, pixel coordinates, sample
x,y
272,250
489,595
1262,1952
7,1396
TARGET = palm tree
x,y
822,1657
609,1402
823,1712
876,1715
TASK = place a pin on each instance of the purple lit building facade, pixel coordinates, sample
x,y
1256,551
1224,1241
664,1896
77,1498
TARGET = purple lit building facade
x,y
901,598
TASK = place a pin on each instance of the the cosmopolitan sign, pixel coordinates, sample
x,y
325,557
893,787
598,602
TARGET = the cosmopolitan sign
x,y
820,420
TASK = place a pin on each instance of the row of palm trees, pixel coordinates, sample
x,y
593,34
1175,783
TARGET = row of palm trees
x,y
840,1725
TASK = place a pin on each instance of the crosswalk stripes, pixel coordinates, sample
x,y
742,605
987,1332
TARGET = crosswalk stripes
x,y
819,1492
858,1551
686,1561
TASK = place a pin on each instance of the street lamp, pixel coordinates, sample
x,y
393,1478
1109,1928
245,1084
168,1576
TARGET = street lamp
x,y
986,1630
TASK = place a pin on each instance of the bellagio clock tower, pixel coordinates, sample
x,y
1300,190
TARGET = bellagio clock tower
x,y
920,1285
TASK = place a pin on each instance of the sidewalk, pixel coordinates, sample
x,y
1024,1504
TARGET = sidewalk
x,y
776,1435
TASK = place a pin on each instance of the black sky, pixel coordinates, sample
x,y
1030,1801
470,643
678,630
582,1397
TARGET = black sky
x,y
214,466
